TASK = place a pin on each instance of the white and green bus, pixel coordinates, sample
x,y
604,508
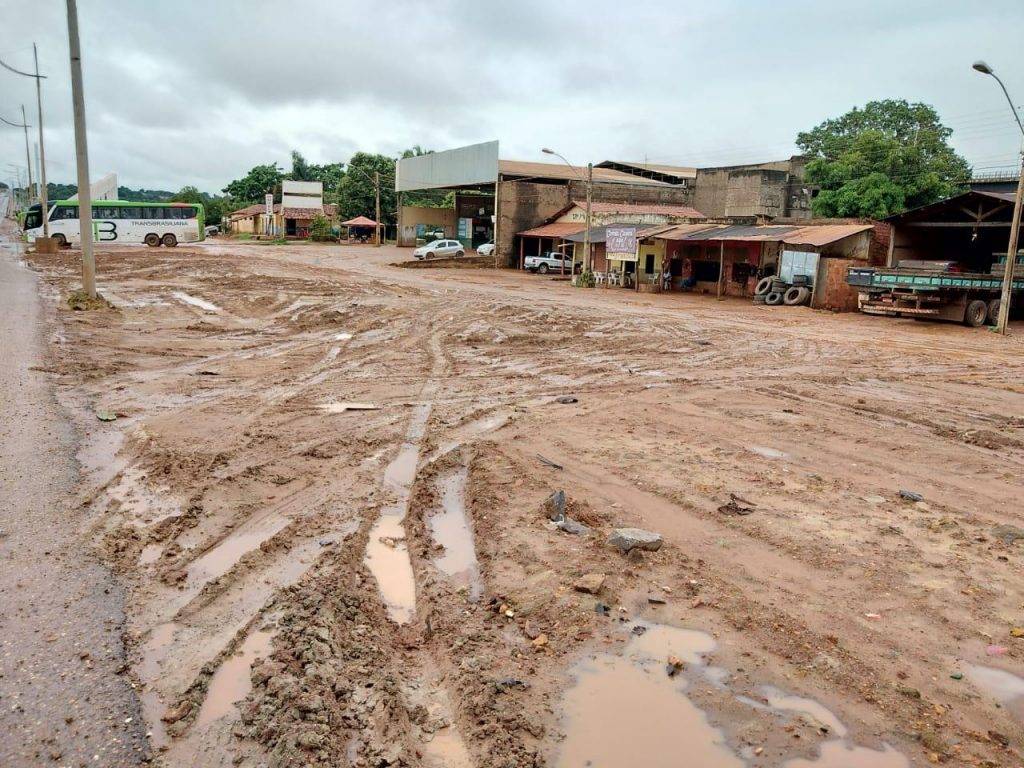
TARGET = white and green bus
x,y
121,221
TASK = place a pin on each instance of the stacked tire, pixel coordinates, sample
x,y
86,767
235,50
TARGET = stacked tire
x,y
774,292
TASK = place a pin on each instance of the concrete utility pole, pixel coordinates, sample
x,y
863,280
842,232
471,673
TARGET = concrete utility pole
x,y
376,186
82,155
44,201
1011,250
586,235
28,153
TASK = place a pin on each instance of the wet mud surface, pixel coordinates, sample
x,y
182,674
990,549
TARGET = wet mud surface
x,y
324,496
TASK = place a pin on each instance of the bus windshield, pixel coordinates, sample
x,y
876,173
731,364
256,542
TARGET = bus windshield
x,y
34,217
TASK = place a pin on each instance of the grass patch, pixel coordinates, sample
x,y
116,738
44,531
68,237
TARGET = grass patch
x,y
80,301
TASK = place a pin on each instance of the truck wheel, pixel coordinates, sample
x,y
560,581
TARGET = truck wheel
x,y
993,312
152,240
773,299
795,296
169,240
976,313
764,286
543,269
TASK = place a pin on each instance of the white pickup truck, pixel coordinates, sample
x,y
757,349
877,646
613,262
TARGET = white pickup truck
x,y
548,262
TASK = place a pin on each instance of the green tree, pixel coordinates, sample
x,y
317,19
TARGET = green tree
x,y
320,229
255,184
426,198
214,205
883,159
356,190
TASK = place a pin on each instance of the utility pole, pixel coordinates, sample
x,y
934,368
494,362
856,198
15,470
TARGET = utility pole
x,y
82,154
376,186
28,153
44,202
586,235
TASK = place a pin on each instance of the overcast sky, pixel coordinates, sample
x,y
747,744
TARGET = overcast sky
x,y
198,91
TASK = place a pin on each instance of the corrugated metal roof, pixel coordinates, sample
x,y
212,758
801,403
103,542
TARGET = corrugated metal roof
x,y
814,235
667,209
555,229
561,171
683,171
1007,197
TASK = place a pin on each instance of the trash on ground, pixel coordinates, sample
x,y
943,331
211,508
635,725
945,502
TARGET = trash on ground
x,y
106,416
910,495
343,407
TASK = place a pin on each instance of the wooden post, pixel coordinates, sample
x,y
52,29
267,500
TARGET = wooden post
x,y
721,267
522,255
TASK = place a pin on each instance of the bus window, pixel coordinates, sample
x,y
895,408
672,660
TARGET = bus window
x,y
34,217
131,213
64,212
106,213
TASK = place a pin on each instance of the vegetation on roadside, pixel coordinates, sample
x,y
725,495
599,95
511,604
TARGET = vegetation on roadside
x,y
80,301
320,230
881,159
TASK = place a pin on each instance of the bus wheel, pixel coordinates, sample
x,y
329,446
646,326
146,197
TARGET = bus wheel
x,y
976,313
169,240
62,241
152,239
993,312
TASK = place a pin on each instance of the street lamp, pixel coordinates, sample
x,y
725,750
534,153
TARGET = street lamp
x,y
590,184
28,155
1011,251
44,202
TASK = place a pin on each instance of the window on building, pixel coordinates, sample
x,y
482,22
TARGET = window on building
x,y
649,263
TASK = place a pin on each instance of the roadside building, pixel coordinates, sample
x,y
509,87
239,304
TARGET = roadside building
x,y
301,202
520,195
764,190
971,229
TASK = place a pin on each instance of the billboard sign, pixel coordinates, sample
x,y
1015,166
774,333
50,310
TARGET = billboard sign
x,y
269,201
620,243
465,166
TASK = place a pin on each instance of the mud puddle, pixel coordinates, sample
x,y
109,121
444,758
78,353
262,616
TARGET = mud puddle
x,y
627,709
221,558
1005,687
451,528
387,554
196,302
231,682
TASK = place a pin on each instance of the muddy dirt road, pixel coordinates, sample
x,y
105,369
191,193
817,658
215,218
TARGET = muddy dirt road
x,y
325,493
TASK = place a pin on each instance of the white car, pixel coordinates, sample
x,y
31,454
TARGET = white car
x,y
487,249
440,249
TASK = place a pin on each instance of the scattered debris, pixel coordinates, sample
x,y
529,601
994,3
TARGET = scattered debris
x,y
574,527
996,650
554,506
656,600
1017,632
1008,534
910,495
566,400
639,629
549,462
343,407
602,608
874,499
628,539
674,666
737,505
590,583
106,416
957,676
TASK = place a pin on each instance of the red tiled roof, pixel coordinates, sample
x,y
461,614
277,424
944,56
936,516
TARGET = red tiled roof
x,y
307,213
359,221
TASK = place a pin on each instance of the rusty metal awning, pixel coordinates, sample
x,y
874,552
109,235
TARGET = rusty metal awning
x,y
555,229
813,235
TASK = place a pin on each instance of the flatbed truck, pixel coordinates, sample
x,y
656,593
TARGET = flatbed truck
x,y
971,298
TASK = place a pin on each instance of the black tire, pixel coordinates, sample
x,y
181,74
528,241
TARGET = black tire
x,y
543,269
993,312
169,240
976,313
773,299
795,296
778,286
59,239
759,299
764,286
429,255
459,254
152,240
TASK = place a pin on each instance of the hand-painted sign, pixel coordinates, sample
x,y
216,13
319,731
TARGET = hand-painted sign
x,y
620,243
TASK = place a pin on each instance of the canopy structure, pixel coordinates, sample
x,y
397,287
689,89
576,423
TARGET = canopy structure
x,y
359,221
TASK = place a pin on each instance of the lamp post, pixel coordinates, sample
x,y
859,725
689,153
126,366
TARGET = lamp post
x,y
590,184
1011,250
